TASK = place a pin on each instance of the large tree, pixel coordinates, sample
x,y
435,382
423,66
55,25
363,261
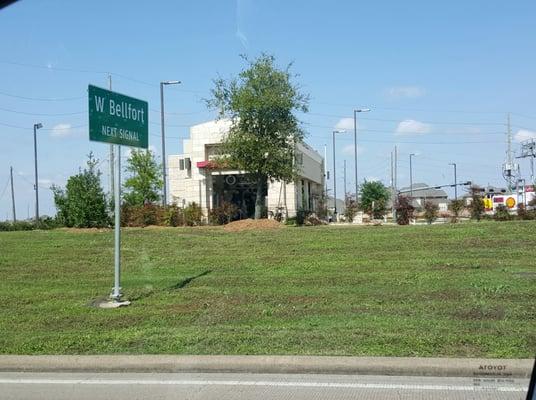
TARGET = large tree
x,y
261,103
83,203
145,182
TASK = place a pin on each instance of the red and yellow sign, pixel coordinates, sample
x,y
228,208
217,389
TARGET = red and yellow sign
x,y
510,202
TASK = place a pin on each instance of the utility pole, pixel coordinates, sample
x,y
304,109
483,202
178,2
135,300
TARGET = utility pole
x,y
111,154
12,195
164,172
335,175
35,128
411,176
355,151
345,190
455,182
392,185
326,171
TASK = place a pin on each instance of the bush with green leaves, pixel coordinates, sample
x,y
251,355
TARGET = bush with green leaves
x,y
374,198
502,213
83,203
223,214
193,214
404,210
456,207
431,211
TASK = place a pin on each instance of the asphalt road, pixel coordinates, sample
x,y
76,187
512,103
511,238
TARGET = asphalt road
x,y
220,386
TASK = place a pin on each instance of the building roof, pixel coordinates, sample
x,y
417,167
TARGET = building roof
x,y
420,191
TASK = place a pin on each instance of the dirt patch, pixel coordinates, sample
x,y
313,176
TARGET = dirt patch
x,y
252,225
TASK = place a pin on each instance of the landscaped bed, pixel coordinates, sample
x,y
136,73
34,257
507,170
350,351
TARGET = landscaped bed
x,y
465,290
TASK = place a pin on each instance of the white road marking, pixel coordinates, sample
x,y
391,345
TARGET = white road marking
x,y
259,383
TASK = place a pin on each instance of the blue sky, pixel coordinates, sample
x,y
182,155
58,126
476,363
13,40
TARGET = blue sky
x,y
439,77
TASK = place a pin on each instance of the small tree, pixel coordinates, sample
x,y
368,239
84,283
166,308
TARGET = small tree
x,y
476,207
430,211
83,203
143,186
374,197
456,207
264,130
350,208
404,210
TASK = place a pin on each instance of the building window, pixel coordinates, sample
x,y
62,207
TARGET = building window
x,y
181,164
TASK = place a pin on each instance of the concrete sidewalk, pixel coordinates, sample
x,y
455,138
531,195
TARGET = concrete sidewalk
x,y
394,366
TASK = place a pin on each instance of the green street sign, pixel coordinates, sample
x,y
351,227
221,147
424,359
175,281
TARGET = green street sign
x,y
116,118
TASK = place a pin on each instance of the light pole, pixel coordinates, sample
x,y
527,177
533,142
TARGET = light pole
x,y
36,187
355,149
335,175
164,192
411,176
455,182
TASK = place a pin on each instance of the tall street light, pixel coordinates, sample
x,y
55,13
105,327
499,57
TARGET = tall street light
x,y
335,175
164,174
36,187
355,149
411,176
455,182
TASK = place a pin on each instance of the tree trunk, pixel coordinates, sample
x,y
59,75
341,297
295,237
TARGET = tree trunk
x,y
259,198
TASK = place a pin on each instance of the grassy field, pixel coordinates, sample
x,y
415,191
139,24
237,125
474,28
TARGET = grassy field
x,y
444,290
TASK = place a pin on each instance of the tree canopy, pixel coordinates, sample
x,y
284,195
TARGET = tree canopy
x,y
374,197
145,182
261,103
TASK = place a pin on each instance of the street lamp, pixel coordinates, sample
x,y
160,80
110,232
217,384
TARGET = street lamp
x,y
455,182
411,176
335,175
36,187
164,194
359,110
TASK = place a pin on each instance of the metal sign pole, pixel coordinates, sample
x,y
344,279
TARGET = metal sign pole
x,y
116,293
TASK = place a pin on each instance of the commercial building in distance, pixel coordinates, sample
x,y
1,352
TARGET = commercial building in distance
x,y
195,177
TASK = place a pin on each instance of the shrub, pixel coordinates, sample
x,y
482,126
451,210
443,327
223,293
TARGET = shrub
x,y
351,208
502,213
476,207
524,214
82,204
456,207
404,210
45,222
193,215
174,216
140,216
223,214
430,211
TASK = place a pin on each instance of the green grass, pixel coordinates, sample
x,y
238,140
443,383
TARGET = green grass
x,y
464,290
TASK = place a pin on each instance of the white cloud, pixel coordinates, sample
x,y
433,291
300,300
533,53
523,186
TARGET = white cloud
x,y
349,149
410,92
346,124
524,134
61,130
412,127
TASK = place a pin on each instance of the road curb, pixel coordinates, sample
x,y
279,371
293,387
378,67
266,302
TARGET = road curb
x,y
395,366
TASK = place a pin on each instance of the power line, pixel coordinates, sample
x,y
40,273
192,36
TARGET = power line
x,y
42,98
397,120
43,114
